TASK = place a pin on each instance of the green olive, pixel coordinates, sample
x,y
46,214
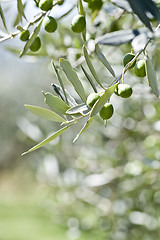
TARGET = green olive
x,y
36,44
95,4
50,24
46,5
140,69
60,2
106,111
92,99
24,36
78,23
127,58
124,90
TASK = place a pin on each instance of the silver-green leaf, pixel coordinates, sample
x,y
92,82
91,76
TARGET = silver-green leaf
x,y
151,76
85,127
60,81
90,66
73,78
59,91
48,140
81,108
45,113
3,18
21,9
55,103
103,59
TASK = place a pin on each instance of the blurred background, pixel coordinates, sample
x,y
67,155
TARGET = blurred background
x,y
106,185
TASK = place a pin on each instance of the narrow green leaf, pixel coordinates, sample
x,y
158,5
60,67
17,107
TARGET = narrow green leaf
x,y
20,28
103,59
21,9
45,113
139,8
89,79
102,100
122,4
73,78
122,36
81,108
85,127
31,39
66,13
55,103
90,66
81,9
48,140
59,91
151,76
60,81
3,18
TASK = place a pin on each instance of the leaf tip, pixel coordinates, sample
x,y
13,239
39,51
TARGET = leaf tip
x,y
24,153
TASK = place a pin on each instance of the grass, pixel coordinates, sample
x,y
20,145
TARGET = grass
x,y
27,221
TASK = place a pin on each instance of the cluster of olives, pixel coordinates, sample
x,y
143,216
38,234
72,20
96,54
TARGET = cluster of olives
x,y
139,66
36,44
49,24
106,111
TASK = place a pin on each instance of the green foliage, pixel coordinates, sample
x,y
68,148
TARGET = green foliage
x,y
65,108
151,76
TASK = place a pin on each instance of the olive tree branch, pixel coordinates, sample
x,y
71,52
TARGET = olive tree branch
x,y
133,60
36,19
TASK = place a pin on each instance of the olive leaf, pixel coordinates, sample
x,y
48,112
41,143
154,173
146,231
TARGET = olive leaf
x,y
20,28
73,78
45,113
55,103
59,91
89,79
21,9
3,18
48,140
66,13
122,4
60,81
31,39
102,100
81,9
103,59
85,127
151,76
81,108
140,8
90,66
122,36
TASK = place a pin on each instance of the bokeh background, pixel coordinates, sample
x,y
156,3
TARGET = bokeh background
x,y
106,185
